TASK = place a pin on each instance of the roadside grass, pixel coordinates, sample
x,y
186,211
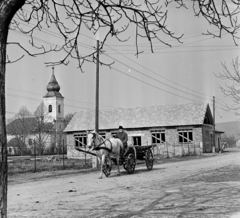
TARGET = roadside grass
x,y
28,165
22,166
20,171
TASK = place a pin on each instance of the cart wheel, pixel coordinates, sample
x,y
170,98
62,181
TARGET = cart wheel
x,y
125,166
130,163
149,159
107,166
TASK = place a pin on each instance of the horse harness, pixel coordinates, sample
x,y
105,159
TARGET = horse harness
x,y
97,148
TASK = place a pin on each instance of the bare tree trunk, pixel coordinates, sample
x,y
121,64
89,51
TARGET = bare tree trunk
x,y
8,9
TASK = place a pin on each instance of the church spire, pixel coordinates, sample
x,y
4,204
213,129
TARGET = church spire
x,y
53,87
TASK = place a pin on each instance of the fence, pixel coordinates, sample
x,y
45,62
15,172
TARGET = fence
x,y
167,150
24,164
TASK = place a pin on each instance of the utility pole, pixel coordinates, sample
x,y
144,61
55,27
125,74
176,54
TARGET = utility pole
x,y
95,160
97,90
214,140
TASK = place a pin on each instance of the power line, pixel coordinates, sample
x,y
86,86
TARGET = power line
x,y
85,102
57,35
170,52
155,79
131,67
157,75
34,99
152,85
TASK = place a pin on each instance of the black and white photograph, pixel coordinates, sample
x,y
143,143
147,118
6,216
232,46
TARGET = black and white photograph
x,y
120,108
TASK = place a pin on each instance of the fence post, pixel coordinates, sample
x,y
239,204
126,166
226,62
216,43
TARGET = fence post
x,y
35,162
63,153
167,149
85,155
173,149
194,152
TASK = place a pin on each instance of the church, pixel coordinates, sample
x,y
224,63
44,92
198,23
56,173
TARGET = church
x,y
35,134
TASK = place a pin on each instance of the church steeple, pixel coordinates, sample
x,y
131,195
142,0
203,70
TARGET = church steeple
x,y
53,100
53,87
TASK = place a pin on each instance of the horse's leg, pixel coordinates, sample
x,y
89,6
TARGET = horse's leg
x,y
102,162
118,156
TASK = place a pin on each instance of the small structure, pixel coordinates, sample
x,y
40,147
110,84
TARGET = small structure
x,y
174,129
218,141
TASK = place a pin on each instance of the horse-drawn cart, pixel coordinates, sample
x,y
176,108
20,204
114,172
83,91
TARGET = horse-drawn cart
x,y
129,160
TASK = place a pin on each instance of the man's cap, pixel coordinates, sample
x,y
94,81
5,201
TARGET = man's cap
x,y
120,127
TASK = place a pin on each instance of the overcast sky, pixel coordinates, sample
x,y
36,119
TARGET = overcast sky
x,y
180,74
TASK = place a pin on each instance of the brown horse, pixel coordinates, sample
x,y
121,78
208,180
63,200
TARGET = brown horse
x,y
104,147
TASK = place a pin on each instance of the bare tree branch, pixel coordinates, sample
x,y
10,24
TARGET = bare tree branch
x,y
232,84
71,18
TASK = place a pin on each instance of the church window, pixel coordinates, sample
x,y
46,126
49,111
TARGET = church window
x,y
50,108
59,108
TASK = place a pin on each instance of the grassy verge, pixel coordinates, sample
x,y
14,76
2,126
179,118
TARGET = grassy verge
x,y
28,166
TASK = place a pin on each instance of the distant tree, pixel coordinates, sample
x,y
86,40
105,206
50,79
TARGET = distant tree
x,y
60,136
43,128
20,127
147,17
231,88
230,140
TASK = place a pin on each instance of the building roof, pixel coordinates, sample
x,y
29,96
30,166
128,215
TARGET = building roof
x,y
219,131
53,87
154,116
30,125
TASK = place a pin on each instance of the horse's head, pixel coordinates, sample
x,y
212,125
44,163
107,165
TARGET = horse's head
x,y
91,136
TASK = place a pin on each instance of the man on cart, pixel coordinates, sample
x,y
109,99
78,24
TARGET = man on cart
x,y
123,136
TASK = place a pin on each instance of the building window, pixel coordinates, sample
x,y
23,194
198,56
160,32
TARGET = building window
x,y
185,135
158,136
50,108
114,134
80,140
30,142
102,134
137,140
59,109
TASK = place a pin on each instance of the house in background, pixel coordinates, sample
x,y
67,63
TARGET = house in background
x,y
182,127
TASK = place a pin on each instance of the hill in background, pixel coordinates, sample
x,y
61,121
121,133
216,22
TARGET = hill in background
x,y
230,129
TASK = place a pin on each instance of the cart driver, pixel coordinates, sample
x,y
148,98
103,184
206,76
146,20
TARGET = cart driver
x,y
123,136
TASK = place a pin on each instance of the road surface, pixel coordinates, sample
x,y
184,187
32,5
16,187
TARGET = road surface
x,y
208,187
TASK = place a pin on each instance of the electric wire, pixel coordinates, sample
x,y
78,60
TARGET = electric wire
x,y
56,35
121,62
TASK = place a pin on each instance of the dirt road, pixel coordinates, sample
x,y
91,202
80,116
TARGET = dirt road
x,y
208,187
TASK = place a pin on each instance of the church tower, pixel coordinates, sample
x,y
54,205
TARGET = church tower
x,y
54,101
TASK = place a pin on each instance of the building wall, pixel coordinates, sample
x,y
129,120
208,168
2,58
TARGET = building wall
x,y
54,102
72,152
207,139
172,147
218,141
